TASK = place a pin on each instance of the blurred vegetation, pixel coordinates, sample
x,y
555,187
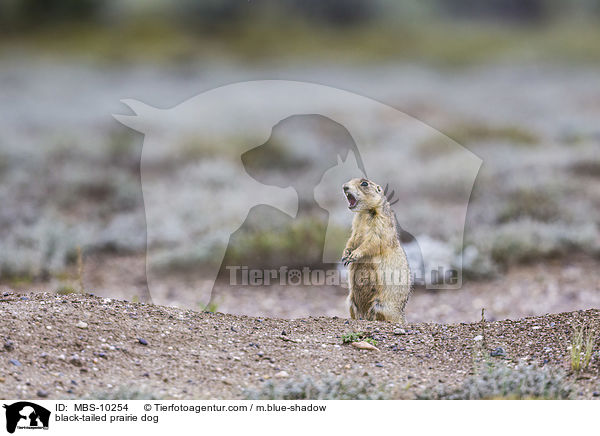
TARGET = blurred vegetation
x,y
91,194
300,243
450,32
495,381
329,387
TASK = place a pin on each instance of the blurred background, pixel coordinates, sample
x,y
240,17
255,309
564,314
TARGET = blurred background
x,y
516,82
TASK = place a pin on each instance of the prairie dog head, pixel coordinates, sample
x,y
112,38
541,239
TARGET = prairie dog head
x,y
363,194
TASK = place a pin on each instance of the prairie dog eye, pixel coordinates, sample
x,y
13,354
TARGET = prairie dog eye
x,y
378,188
364,184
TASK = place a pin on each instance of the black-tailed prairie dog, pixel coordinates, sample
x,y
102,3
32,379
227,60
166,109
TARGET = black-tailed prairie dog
x,y
378,274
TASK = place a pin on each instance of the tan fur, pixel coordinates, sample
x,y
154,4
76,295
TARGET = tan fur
x,y
378,273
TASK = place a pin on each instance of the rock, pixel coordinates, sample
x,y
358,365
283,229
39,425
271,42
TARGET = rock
x,y
82,325
399,331
42,394
478,338
363,345
15,362
498,352
9,345
379,365
142,341
282,374
75,360
596,394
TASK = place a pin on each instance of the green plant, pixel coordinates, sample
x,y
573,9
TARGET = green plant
x,y
211,307
358,336
66,290
371,341
582,347
329,387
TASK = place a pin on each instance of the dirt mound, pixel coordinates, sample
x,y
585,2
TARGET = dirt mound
x,y
84,346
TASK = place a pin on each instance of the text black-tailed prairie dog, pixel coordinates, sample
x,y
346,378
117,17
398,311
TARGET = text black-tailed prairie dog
x,y
378,274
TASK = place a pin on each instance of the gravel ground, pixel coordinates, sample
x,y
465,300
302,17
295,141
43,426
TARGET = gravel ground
x,y
529,290
73,346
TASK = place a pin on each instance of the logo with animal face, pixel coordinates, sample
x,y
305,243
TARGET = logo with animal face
x,y
232,170
26,415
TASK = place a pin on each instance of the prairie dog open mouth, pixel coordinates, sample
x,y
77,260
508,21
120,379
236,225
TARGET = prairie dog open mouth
x,y
351,200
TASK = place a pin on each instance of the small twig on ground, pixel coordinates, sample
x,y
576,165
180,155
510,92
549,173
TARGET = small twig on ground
x,y
483,327
80,269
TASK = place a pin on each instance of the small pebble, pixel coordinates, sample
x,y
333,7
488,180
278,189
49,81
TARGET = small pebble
x,y
15,362
9,345
42,394
82,325
478,338
142,341
497,352
379,365
363,345
399,332
281,374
